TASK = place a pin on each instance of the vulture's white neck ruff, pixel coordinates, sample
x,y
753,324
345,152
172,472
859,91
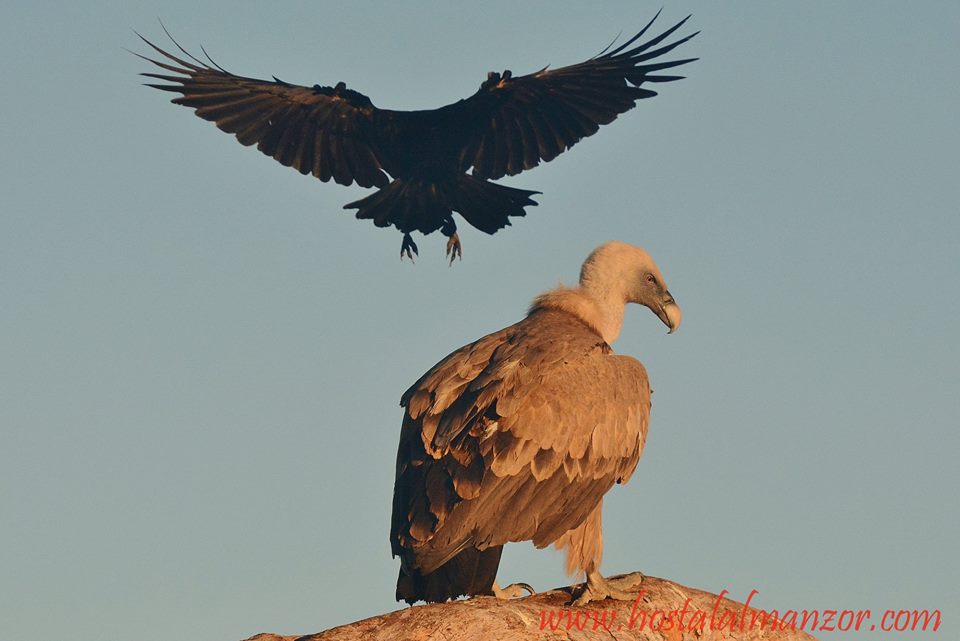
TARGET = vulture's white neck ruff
x,y
605,316
608,281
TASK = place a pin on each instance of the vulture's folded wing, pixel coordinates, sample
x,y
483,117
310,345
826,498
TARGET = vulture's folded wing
x,y
316,130
520,121
516,437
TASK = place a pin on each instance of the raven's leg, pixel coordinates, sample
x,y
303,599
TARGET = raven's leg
x,y
453,247
622,588
449,230
512,591
408,248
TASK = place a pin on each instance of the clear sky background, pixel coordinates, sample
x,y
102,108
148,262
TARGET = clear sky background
x,y
201,354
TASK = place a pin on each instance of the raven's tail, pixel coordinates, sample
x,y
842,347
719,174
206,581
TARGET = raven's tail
x,y
418,205
486,205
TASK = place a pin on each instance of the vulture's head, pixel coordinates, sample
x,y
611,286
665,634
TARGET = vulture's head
x,y
627,273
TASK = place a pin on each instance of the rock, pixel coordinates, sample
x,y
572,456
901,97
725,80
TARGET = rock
x,y
664,611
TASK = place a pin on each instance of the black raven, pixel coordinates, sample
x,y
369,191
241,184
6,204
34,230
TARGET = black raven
x,y
419,159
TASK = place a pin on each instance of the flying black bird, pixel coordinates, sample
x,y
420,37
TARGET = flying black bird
x,y
419,159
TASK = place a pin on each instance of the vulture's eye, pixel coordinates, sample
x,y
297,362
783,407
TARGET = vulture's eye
x,y
651,279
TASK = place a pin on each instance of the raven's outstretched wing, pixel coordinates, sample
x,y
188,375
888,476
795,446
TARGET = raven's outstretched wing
x,y
517,122
325,131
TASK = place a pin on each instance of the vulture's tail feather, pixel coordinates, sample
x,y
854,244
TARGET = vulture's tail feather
x,y
470,573
417,205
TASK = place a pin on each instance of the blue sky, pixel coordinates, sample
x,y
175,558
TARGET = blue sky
x,y
201,354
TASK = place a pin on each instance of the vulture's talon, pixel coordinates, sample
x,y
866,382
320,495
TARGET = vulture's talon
x,y
454,249
597,588
513,591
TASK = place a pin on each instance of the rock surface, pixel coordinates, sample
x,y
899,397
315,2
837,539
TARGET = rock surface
x,y
656,616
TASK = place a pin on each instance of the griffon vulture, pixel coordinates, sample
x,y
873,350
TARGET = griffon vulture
x,y
517,436
419,160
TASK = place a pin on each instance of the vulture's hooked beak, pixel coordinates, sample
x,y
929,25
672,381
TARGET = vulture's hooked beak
x,y
669,312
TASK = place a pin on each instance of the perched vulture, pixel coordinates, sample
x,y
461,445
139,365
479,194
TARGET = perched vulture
x,y
517,436
419,160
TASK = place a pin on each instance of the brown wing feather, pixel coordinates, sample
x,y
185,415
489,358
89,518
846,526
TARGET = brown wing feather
x,y
521,121
318,130
584,543
515,437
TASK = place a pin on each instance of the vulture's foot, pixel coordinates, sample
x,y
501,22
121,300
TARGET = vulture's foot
x,y
512,591
624,588
453,247
408,248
